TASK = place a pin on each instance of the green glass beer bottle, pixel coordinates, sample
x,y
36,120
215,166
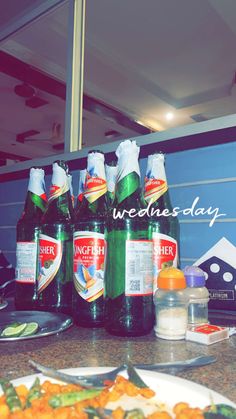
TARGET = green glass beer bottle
x,y
111,173
56,246
27,238
89,246
164,226
128,274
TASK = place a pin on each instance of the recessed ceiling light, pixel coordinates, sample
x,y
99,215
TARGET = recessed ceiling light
x,y
169,116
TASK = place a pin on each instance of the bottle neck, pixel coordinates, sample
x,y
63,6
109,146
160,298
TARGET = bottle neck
x,y
128,195
34,207
91,210
162,202
36,200
111,175
127,186
59,209
72,197
36,183
128,174
94,203
110,197
155,183
82,179
59,204
95,183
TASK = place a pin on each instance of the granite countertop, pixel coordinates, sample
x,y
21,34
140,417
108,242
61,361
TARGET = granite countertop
x,y
80,347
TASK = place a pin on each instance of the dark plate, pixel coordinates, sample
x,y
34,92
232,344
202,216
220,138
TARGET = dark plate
x,y
3,303
49,323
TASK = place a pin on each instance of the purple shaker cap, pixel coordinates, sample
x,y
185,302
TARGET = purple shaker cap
x,y
194,276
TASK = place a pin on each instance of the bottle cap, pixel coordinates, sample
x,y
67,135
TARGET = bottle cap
x,y
171,278
194,276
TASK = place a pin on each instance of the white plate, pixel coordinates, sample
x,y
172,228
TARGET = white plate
x,y
169,390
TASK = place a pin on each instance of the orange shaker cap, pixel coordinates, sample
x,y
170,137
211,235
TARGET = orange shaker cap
x,y
171,278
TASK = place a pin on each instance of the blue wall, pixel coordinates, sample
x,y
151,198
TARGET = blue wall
x,y
208,173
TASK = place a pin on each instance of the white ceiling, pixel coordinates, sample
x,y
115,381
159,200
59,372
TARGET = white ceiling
x,y
142,58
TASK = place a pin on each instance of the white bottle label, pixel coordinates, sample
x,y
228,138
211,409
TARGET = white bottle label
x,y
26,259
50,255
165,254
138,268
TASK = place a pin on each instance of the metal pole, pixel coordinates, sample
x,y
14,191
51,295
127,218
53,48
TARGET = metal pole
x,y
74,82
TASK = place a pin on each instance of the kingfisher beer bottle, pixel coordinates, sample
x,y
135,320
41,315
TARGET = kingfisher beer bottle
x,y
27,237
56,246
165,227
128,273
89,246
111,173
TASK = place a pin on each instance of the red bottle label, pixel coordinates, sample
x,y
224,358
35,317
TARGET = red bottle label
x,y
88,264
94,188
50,255
154,188
165,253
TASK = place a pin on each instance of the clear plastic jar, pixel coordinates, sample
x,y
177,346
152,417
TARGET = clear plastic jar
x,y
198,295
171,305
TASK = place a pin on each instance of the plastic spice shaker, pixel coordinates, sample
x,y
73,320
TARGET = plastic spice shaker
x,y
171,304
198,295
